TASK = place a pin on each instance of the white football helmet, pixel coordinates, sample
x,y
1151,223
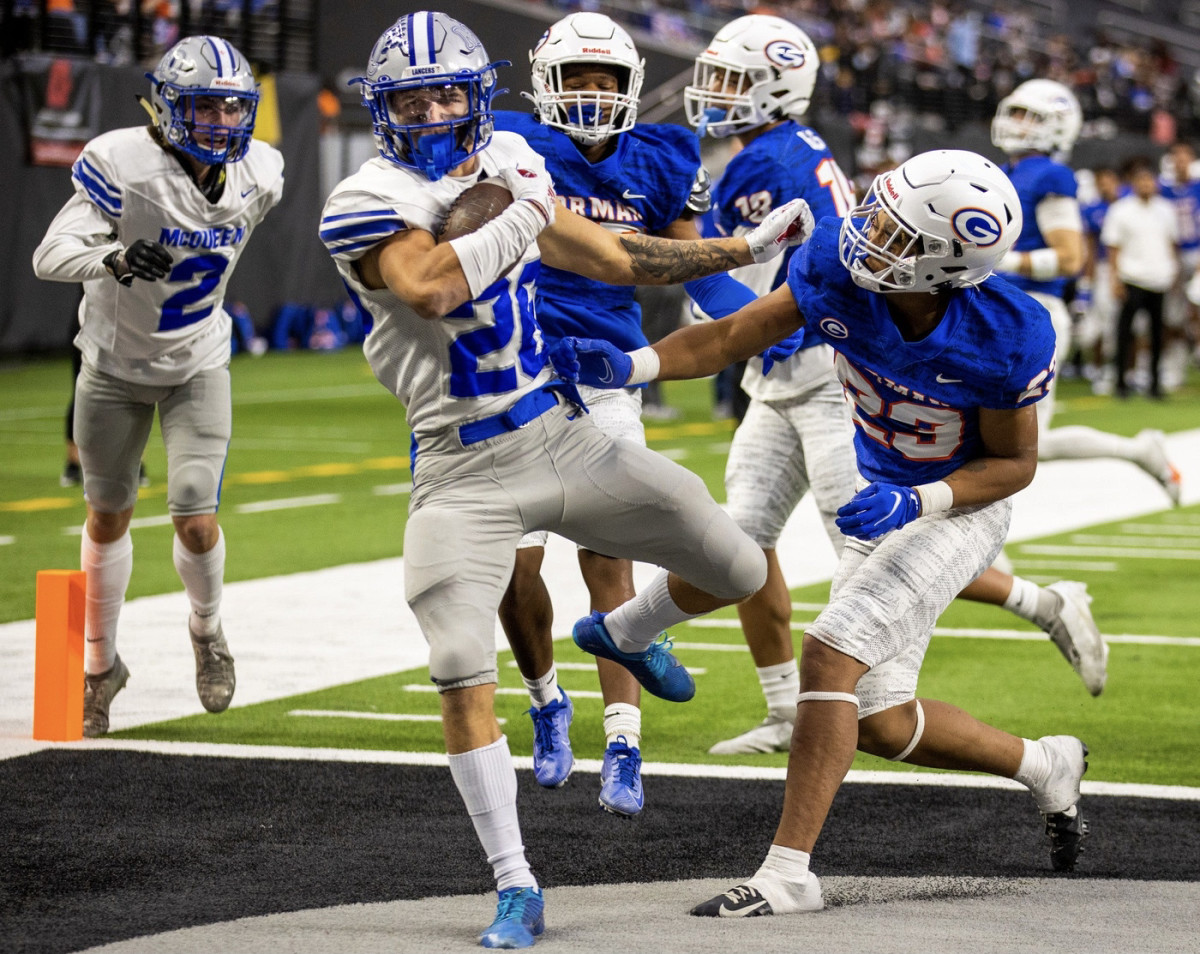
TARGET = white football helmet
x,y
757,69
210,68
586,38
432,52
1050,119
941,220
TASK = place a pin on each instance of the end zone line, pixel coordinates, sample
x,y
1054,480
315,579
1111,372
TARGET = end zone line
x,y
678,770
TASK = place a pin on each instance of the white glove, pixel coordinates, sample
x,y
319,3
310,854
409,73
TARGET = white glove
x,y
790,224
532,183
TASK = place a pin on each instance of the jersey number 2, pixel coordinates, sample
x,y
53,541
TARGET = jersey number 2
x,y
496,340
209,269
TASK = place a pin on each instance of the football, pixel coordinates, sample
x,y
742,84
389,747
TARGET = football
x,y
474,208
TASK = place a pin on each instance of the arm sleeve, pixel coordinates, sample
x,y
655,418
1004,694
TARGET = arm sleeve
x,y
719,295
76,244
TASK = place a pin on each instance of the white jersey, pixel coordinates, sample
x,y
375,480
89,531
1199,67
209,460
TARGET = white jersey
x,y
481,357
127,187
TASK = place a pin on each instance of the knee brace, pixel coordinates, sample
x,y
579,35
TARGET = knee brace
x,y
916,736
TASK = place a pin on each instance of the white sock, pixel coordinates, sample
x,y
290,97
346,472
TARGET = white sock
x,y
785,864
638,622
780,685
1023,600
1035,767
543,691
621,718
487,782
108,567
203,576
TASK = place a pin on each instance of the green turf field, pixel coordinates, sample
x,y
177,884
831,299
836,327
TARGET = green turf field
x,y
316,428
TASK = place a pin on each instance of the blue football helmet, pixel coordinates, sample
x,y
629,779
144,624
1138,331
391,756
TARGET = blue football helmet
x,y
211,70
430,57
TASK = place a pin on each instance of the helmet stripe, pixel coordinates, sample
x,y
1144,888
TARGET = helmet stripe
x,y
216,54
233,60
429,36
410,29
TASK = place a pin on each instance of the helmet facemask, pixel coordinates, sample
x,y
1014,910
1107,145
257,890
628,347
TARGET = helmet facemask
x,y
205,100
586,42
429,61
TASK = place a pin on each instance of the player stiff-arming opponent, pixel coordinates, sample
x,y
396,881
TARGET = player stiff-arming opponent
x,y
943,366
628,177
159,218
500,446
1038,121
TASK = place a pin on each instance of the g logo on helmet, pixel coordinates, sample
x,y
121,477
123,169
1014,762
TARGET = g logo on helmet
x,y
977,226
785,54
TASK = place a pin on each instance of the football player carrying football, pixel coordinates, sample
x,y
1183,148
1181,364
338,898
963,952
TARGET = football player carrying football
x,y
500,446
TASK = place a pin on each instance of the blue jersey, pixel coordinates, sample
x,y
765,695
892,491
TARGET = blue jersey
x,y
1036,178
916,403
1186,198
788,162
1093,221
642,186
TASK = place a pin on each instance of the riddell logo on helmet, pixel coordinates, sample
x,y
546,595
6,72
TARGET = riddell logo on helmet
x,y
229,81
891,189
596,49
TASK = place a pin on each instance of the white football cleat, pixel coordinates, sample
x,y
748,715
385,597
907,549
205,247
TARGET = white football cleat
x,y
773,734
1157,464
1077,636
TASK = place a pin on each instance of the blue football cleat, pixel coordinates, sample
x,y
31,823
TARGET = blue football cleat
x,y
660,673
621,779
518,919
552,755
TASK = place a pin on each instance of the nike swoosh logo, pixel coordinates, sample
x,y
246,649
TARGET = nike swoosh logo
x,y
895,506
942,379
608,375
248,191
724,912
631,195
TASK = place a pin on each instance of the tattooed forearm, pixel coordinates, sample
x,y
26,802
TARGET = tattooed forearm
x,y
666,261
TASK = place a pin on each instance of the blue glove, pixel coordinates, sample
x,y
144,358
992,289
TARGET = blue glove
x,y
877,509
782,350
591,361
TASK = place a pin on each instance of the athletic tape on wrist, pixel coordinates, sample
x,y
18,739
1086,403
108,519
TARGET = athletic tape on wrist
x,y
935,497
486,254
1011,262
645,366
1043,264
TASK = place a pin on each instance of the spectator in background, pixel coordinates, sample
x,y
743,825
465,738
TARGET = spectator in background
x,y
1181,187
1095,331
1141,234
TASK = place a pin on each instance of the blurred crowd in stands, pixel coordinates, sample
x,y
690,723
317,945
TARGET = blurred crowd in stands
x,y
944,63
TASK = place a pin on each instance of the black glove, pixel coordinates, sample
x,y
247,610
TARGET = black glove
x,y
148,260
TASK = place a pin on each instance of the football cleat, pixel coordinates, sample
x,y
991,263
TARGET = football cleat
x,y
1155,462
98,693
1058,799
659,672
518,921
215,678
552,755
773,734
1066,830
759,896
621,779
1077,637
72,475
